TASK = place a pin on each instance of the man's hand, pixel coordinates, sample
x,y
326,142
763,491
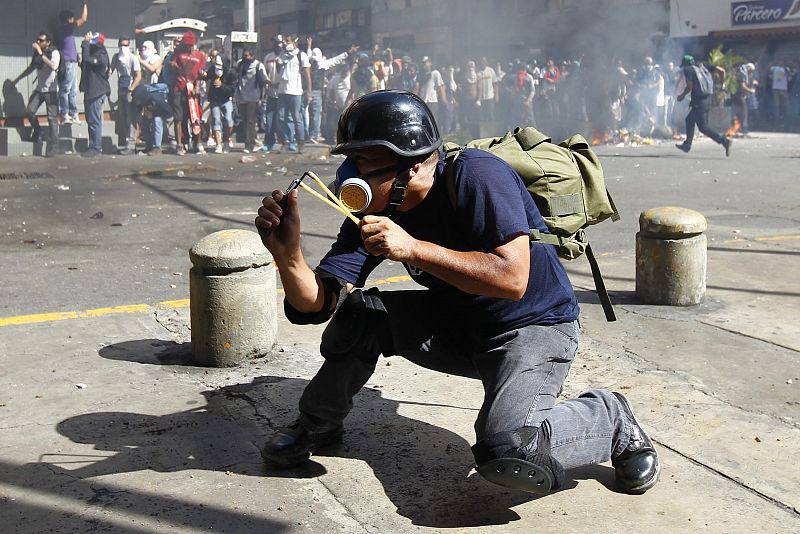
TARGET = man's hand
x,y
283,223
681,97
38,48
382,236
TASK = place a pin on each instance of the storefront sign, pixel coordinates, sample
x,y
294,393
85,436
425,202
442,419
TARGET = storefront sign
x,y
764,11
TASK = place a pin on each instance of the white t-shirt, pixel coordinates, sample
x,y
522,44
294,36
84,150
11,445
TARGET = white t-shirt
x,y
126,67
272,74
428,91
46,81
150,60
339,88
486,80
292,75
779,79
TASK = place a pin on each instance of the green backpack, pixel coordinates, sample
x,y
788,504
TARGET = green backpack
x,y
566,182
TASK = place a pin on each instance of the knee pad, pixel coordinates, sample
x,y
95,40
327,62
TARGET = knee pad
x,y
358,329
520,459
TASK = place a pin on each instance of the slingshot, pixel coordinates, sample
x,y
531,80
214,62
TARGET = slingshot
x,y
333,201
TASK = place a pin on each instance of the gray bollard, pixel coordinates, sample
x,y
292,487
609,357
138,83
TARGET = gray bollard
x,y
671,256
233,303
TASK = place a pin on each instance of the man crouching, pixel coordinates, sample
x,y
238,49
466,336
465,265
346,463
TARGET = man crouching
x,y
495,304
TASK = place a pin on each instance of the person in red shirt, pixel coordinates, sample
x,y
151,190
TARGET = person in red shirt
x,y
188,65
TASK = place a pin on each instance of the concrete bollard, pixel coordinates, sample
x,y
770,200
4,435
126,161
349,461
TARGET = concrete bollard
x,y
671,256
233,305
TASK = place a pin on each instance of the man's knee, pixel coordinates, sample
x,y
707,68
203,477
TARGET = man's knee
x,y
358,329
520,459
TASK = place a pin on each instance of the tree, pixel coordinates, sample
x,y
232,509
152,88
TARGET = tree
x,y
729,85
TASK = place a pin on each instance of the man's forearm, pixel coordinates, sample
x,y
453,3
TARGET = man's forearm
x,y
502,274
301,284
84,16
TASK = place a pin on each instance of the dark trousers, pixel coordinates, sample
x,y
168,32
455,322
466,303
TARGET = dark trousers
x,y
522,371
51,102
698,115
125,120
270,124
94,120
249,114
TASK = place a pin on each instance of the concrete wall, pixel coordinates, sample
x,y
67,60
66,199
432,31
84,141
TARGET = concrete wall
x,y
20,22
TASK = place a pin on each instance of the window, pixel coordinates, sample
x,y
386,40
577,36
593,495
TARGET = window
x,y
344,18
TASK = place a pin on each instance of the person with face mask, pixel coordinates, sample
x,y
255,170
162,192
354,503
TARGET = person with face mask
x,y
150,61
186,65
129,76
494,305
319,65
95,87
294,75
252,78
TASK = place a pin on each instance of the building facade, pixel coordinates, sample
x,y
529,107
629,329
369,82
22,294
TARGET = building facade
x,y
760,30
452,30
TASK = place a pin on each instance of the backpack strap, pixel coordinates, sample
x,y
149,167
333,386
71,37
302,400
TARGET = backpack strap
x,y
614,216
600,286
451,153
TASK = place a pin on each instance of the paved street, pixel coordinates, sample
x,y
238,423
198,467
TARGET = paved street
x,y
106,425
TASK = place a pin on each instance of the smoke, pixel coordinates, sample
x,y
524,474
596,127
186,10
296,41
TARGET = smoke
x,y
597,30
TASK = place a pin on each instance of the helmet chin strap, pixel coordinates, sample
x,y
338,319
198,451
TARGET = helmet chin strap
x,y
398,193
400,185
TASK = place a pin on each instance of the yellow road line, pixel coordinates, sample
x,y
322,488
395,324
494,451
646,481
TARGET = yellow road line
x,y
776,238
131,308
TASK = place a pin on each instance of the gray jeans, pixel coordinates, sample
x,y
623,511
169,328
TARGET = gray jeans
x,y
522,372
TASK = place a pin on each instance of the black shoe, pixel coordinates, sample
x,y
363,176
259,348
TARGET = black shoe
x,y
727,144
683,147
91,154
637,467
291,446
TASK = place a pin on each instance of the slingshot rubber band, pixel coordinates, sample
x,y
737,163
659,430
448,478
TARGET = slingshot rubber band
x,y
324,199
332,196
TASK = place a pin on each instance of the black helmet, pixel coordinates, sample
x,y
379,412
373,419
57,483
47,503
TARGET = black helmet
x,y
398,120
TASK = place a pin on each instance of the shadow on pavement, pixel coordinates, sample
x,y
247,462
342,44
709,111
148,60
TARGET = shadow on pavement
x,y
55,500
424,470
150,351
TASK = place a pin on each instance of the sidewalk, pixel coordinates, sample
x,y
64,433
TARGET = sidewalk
x,y
107,427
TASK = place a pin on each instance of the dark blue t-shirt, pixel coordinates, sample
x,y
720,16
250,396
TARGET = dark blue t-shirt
x,y
492,207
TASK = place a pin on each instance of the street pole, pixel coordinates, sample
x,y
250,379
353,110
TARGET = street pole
x,y
251,18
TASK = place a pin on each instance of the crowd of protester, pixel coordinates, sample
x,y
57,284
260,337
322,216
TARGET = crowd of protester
x,y
192,99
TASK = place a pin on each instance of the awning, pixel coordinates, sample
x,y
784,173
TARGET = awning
x,y
778,31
